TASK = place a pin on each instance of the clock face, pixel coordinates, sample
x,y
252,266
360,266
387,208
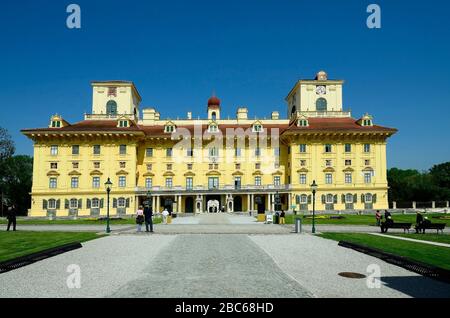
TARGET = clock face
x,y
321,90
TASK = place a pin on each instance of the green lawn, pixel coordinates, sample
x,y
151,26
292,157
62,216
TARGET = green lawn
x,y
365,219
85,221
440,238
433,255
15,244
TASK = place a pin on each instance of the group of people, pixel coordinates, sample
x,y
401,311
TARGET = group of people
x,y
145,215
387,217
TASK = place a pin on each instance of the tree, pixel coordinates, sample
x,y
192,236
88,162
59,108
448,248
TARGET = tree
x,y
441,174
16,180
6,144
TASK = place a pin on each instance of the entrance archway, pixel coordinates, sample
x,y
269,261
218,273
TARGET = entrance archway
x,y
189,205
238,203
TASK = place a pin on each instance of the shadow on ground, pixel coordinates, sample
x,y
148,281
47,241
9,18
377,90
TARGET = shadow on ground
x,y
418,286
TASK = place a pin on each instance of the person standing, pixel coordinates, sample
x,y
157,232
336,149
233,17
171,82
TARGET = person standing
x,y
419,221
148,214
387,214
11,217
378,217
282,215
165,215
139,218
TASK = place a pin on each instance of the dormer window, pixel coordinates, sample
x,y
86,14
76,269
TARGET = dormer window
x,y
257,128
169,129
56,121
303,123
366,121
123,123
56,124
213,128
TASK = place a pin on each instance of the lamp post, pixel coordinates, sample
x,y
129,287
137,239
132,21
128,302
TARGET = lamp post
x,y
314,189
108,185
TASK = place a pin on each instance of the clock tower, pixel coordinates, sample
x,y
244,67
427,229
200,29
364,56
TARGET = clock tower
x,y
318,97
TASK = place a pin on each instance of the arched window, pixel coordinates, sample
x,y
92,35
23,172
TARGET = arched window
x,y
321,105
111,108
213,116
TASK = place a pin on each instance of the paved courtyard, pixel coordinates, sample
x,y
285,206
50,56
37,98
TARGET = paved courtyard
x,y
194,262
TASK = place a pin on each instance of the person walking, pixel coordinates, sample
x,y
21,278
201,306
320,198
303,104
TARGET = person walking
x,y
419,221
139,218
148,214
378,217
165,215
282,215
11,217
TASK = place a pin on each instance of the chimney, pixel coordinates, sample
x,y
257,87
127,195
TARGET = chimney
x,y
275,115
242,113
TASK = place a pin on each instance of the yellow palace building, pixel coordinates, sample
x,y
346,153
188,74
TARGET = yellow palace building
x,y
200,165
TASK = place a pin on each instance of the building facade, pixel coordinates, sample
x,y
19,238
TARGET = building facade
x,y
195,165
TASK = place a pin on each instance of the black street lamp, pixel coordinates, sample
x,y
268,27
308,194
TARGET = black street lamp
x,y
314,189
108,186
277,201
149,198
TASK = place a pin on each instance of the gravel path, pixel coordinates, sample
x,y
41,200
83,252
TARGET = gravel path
x,y
315,263
106,265
212,266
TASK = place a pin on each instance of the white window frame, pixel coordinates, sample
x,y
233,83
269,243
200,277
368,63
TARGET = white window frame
x,y
189,183
169,182
258,181
73,203
51,204
349,195
53,150
367,177
303,178
329,195
121,203
95,203
366,148
345,148
148,182
368,198
122,182
276,181
303,199
55,183
149,152
74,182
96,182
328,178
348,174
302,148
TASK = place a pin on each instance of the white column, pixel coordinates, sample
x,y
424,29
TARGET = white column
x,y
158,202
248,202
272,201
154,204
252,202
179,203
289,201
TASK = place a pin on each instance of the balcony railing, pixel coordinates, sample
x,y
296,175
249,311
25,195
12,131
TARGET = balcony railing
x,y
229,187
107,116
340,114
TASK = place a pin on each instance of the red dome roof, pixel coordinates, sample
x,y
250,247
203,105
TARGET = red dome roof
x,y
214,101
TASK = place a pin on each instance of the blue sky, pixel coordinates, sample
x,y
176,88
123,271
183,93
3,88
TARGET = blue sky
x,y
250,52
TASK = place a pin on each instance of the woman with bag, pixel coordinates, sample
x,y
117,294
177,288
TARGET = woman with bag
x,y
139,218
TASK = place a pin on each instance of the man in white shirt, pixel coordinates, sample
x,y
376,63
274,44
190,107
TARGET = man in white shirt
x,y
165,214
